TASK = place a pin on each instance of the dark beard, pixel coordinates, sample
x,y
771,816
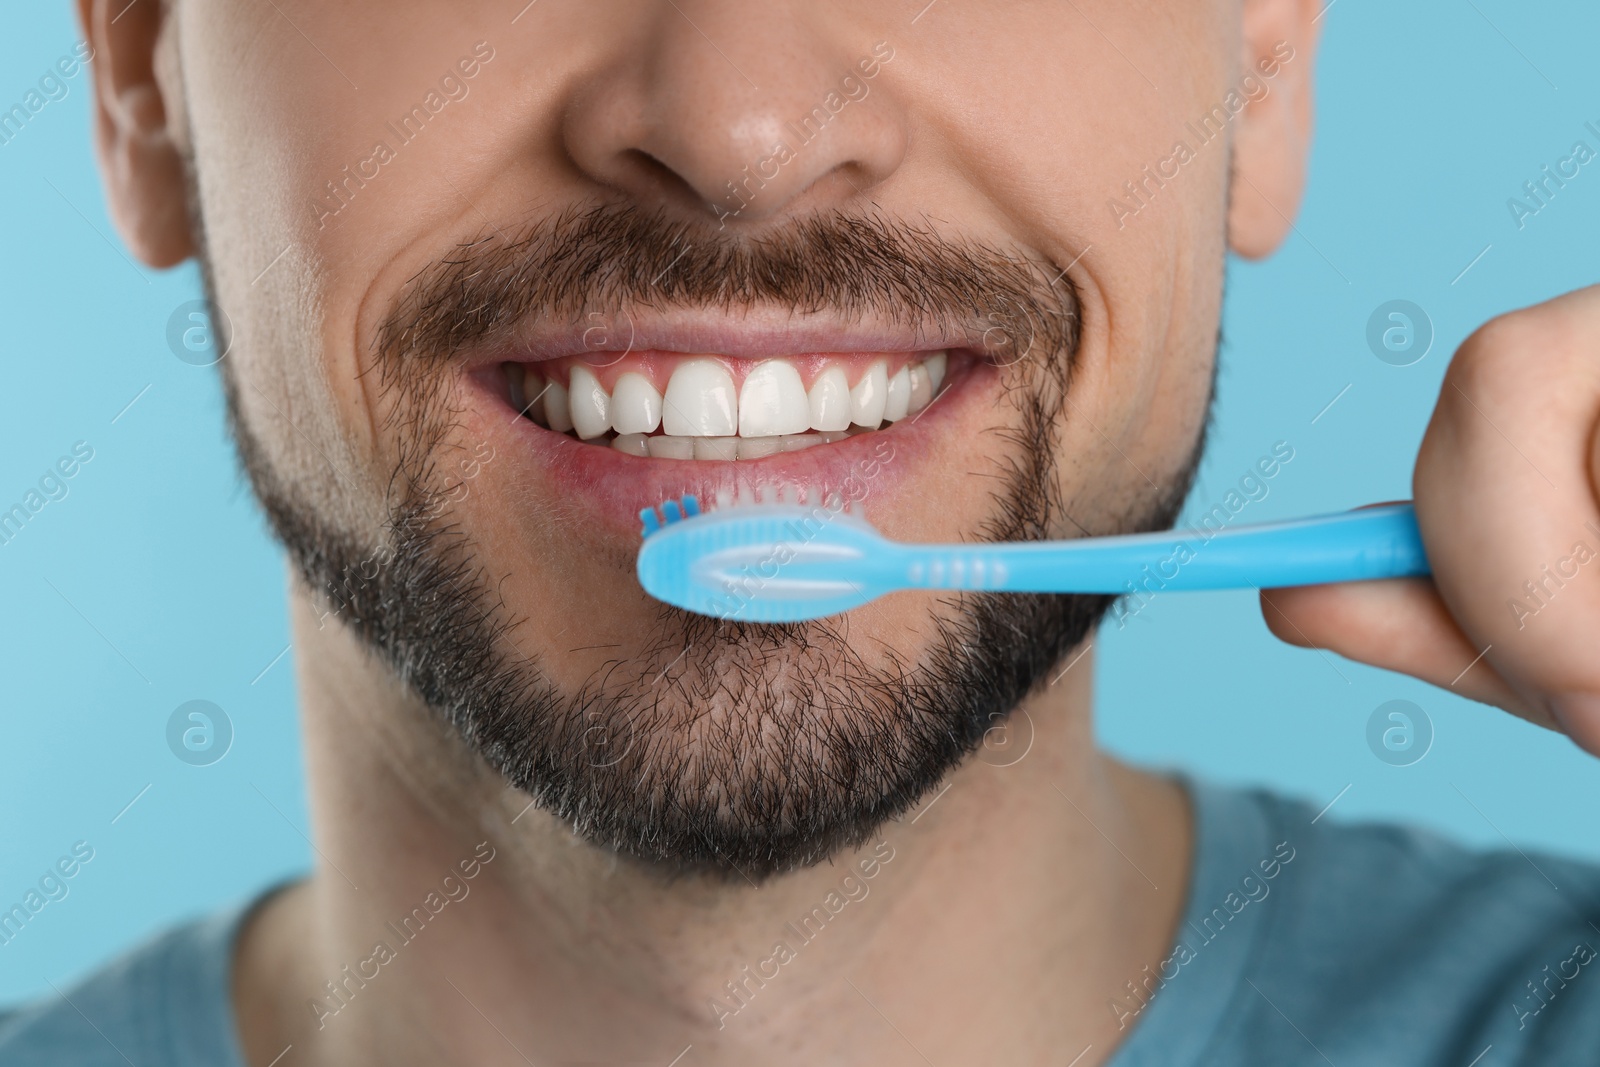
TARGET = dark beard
x,y
728,749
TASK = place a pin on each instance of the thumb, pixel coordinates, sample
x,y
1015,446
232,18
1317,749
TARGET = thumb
x,y
1398,624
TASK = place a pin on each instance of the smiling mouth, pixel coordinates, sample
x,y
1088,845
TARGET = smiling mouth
x,y
669,405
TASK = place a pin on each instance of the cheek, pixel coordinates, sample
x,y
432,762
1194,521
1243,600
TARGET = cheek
x,y
299,239
1151,289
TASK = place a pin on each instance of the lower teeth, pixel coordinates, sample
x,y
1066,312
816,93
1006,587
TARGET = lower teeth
x,y
665,446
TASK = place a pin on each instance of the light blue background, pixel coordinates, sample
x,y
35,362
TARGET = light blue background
x,y
153,583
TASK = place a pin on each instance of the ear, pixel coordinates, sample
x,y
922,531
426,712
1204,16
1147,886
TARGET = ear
x,y
1273,137
138,125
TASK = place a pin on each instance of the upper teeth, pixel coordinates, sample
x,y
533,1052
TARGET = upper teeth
x,y
773,401
829,400
701,402
590,404
635,405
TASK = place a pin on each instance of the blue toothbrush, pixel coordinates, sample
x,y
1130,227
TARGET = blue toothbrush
x,y
790,563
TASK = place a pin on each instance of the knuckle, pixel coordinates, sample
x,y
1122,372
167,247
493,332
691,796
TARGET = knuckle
x,y
1490,356
1503,350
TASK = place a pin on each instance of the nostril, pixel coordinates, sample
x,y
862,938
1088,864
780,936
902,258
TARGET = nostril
x,y
662,179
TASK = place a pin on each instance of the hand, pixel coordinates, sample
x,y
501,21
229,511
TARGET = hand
x,y
1506,497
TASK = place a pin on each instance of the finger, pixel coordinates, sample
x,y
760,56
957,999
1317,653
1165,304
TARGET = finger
x,y
1398,625
1506,504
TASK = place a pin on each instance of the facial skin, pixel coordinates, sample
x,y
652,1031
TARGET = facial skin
x,y
697,744
582,224
466,611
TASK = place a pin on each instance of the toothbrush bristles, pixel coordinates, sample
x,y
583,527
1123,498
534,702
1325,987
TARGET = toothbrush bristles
x,y
670,511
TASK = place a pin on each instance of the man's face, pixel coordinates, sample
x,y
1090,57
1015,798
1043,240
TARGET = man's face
x,y
478,257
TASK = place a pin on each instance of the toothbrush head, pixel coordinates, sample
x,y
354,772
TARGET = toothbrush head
x,y
762,562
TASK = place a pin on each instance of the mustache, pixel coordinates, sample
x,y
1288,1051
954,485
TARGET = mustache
x,y
611,258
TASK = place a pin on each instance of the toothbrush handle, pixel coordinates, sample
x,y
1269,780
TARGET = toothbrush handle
x,y
1375,542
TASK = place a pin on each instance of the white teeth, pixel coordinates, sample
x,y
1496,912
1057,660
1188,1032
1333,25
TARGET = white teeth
x,y
590,404
830,400
663,447
635,405
899,396
921,389
557,412
700,401
759,447
773,401
725,448
634,444
868,397
703,416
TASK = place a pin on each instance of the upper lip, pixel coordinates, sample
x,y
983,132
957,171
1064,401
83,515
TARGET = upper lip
x,y
758,333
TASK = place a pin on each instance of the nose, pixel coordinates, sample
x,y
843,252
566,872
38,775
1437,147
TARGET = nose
x,y
749,111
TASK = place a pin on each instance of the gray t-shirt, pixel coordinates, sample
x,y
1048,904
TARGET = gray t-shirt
x,y
1303,943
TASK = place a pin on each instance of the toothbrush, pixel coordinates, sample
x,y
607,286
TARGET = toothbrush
x,y
790,563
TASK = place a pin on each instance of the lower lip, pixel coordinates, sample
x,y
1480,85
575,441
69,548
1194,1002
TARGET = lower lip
x,y
613,487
